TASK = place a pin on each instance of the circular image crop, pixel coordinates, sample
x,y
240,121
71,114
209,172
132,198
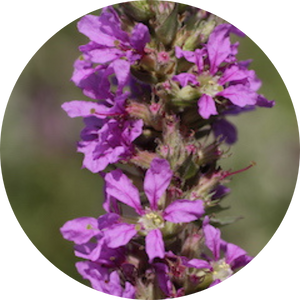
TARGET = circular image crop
x,y
156,171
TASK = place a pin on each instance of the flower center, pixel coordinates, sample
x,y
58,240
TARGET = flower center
x,y
209,85
221,270
152,220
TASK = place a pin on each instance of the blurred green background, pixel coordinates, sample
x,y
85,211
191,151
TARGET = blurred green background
x,y
47,187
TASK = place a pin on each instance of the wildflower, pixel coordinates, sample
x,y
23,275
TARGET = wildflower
x,y
105,140
234,256
104,280
110,144
153,219
112,49
219,76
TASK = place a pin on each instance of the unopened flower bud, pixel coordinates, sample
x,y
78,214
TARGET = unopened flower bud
x,y
208,154
167,31
205,185
143,159
172,146
188,93
191,246
139,111
137,10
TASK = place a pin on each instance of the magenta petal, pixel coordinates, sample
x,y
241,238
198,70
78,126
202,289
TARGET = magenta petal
x,y
122,70
185,79
233,252
120,187
218,46
89,161
157,179
239,95
206,106
107,220
184,211
132,130
102,56
263,102
155,244
80,230
212,238
234,73
188,55
197,263
89,25
93,272
119,234
225,131
163,278
140,37
89,251
84,109
129,291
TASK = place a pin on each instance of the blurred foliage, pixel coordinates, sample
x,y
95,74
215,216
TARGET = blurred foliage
x,y
46,186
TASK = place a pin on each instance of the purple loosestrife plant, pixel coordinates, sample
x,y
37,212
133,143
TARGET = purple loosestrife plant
x,y
162,77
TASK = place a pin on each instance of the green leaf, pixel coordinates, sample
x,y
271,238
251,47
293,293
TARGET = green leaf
x,y
216,209
218,222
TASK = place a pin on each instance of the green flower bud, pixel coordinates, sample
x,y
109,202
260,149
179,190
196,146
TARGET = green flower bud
x,y
167,31
188,93
137,10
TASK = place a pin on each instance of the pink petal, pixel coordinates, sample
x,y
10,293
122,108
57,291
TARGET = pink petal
x,y
85,109
212,238
239,95
157,179
80,230
120,187
119,234
233,252
218,46
184,211
206,106
155,244
89,25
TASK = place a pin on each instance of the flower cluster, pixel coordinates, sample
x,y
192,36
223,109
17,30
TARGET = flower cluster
x,y
162,77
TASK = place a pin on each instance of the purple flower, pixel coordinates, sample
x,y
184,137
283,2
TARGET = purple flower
x,y
111,47
225,77
104,140
112,143
176,267
153,218
234,256
105,281
82,230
